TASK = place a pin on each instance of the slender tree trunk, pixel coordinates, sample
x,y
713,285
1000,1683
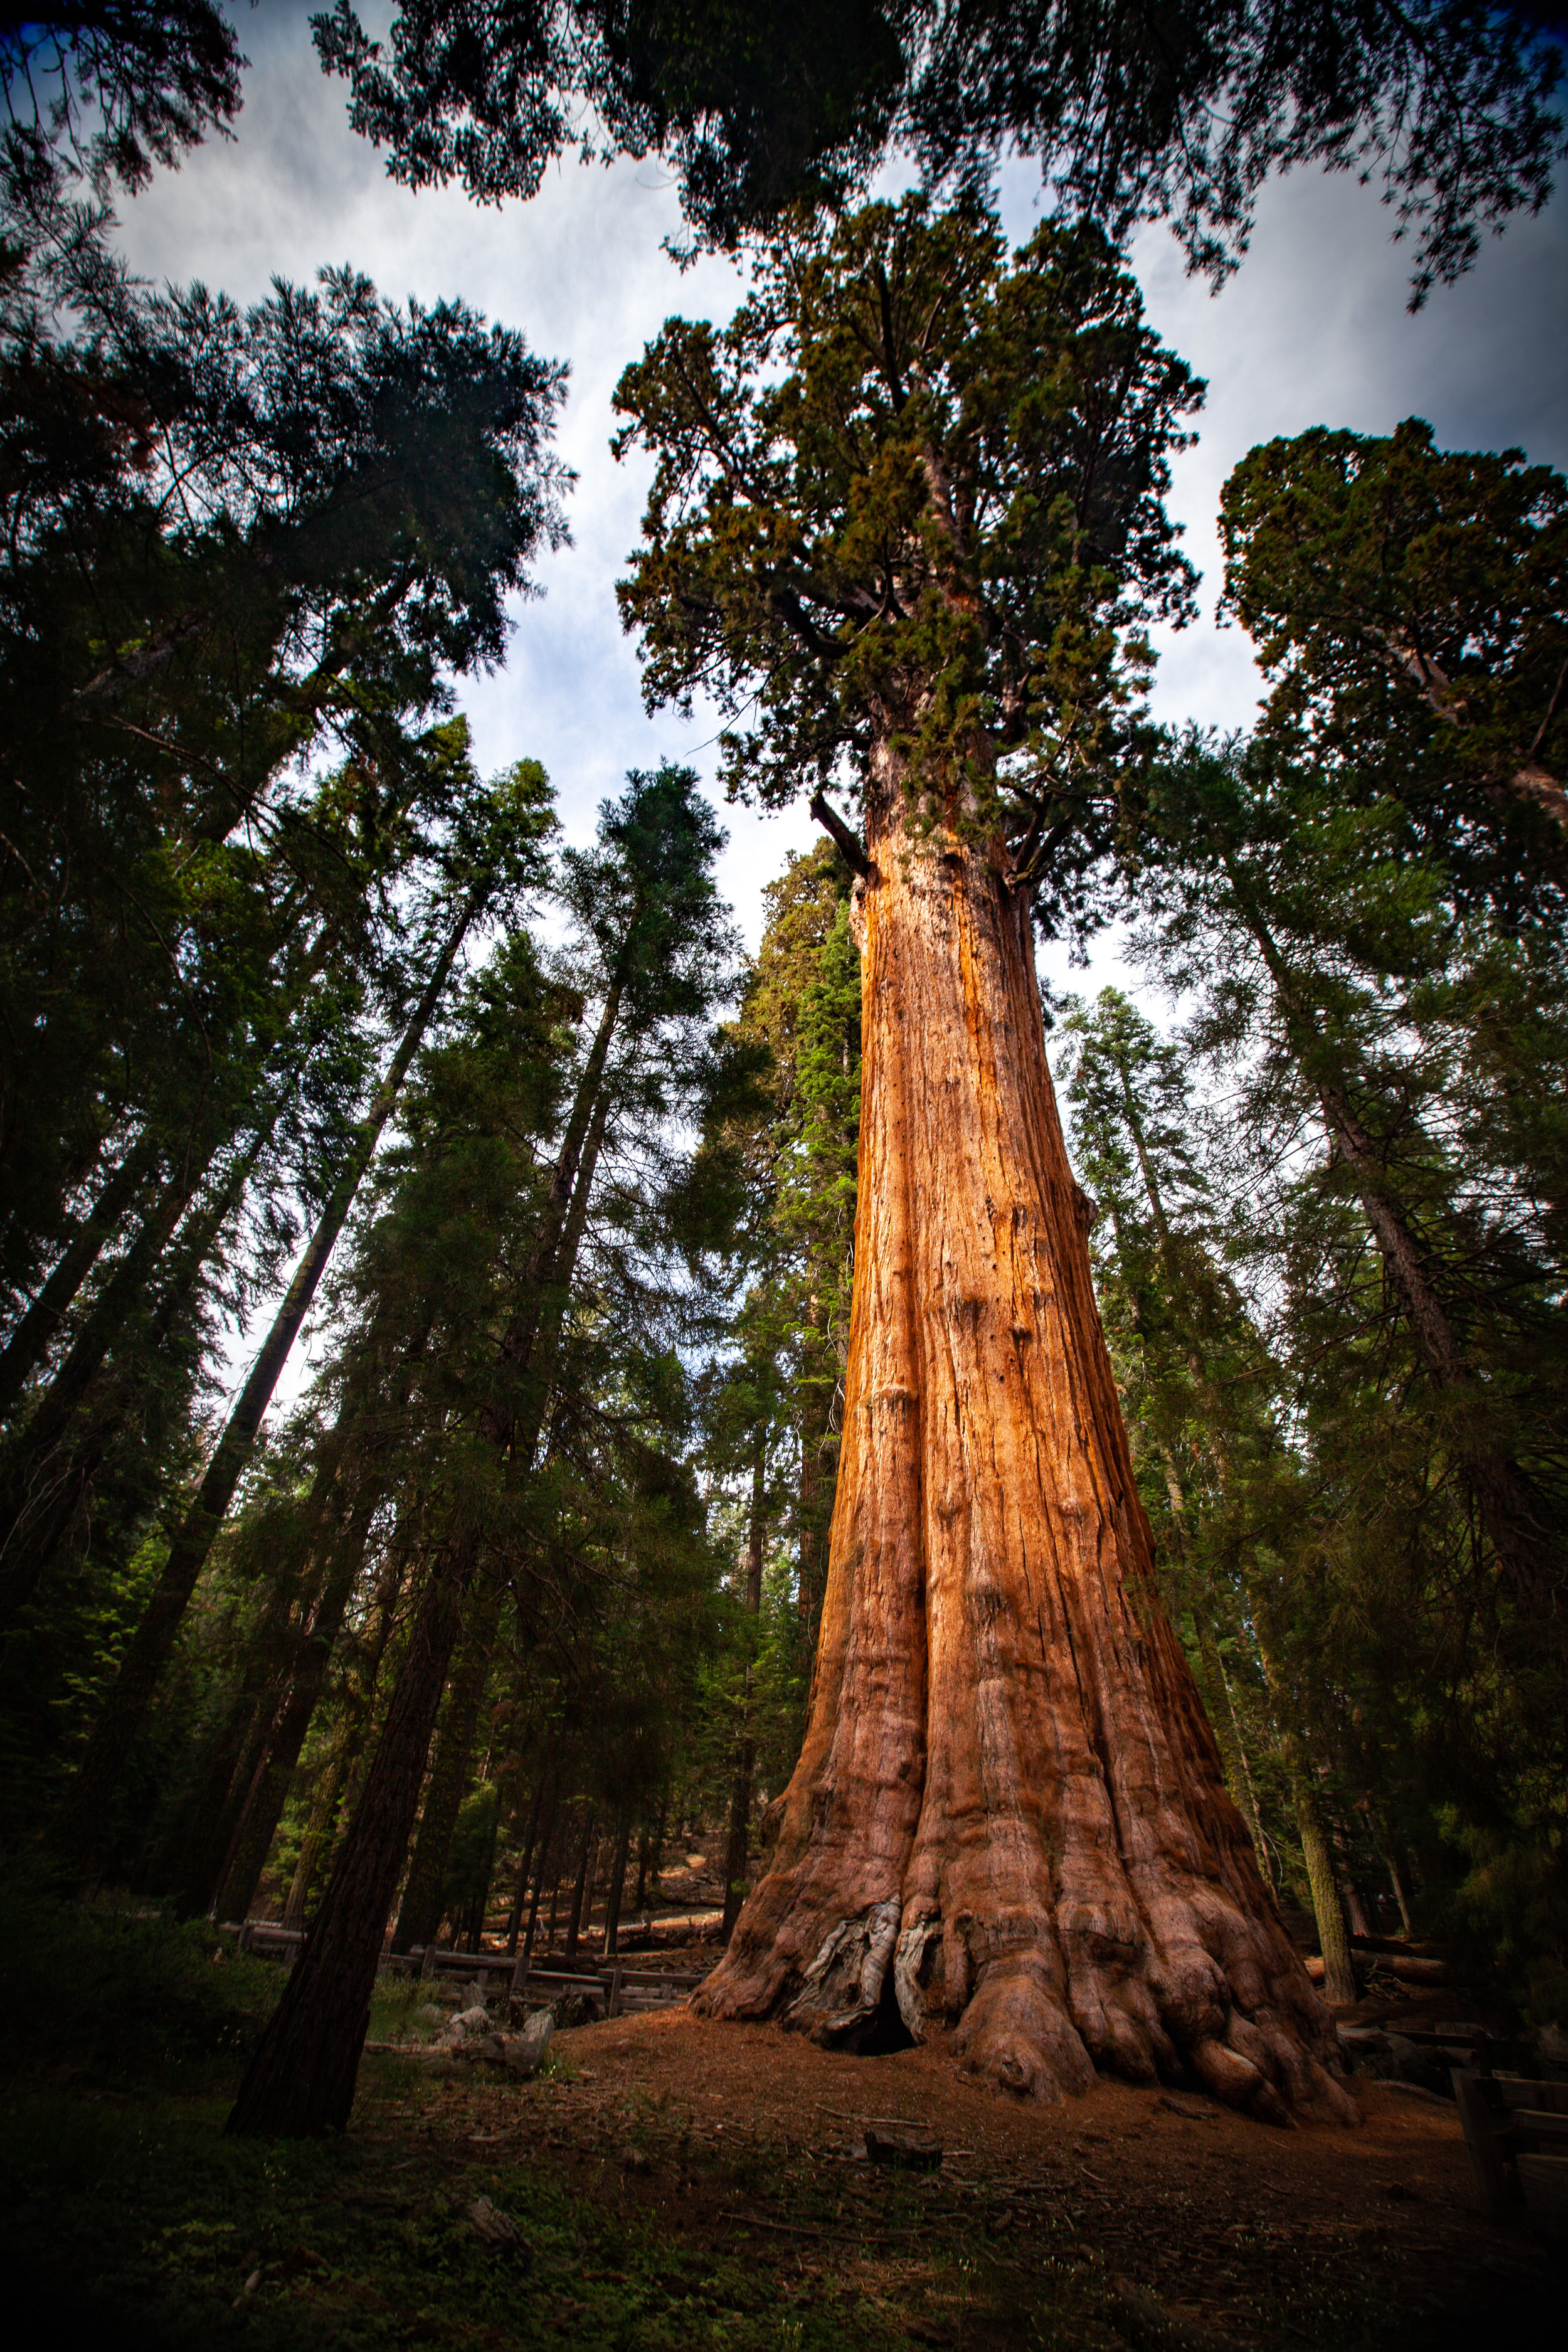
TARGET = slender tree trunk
x,y
657,1860
554,1905
419,1914
39,1454
1396,1881
302,2079
1515,1514
554,1263
215,1821
1009,1811
316,1843
1228,1731
575,1924
1222,1716
616,1887
60,1454
37,1329
109,1746
639,1900
472,1924
735,1885
546,1856
1345,1873
1317,1851
184,1856
514,1917
251,1842
282,2092
1518,1518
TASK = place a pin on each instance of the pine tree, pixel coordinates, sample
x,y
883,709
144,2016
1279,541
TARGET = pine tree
x,y
504,864
1409,600
1405,1614
644,901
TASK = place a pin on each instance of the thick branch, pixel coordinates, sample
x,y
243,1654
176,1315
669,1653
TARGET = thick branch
x,y
847,842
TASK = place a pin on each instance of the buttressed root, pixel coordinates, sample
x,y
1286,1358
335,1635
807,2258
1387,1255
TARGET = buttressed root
x,y
1034,2030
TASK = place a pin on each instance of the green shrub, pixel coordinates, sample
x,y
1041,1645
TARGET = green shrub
x,y
97,1986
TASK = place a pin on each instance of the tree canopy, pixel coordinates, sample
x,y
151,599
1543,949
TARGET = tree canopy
x,y
1409,602
1133,111
909,503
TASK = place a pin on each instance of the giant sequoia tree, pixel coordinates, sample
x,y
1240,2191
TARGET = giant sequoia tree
x,y
906,508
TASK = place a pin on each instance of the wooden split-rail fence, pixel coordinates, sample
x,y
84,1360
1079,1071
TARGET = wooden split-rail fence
x,y
623,1992
1516,2131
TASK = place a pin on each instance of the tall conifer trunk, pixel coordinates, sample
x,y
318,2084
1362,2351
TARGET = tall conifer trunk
x,y
1009,1814
739,1840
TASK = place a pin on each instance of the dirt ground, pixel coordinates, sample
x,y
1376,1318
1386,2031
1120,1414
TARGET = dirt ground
x,y
1213,2229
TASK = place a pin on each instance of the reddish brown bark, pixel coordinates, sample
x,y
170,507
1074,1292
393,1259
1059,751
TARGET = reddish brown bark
x,y
1009,1814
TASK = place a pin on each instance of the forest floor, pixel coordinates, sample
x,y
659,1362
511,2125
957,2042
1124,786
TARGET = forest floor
x,y
674,2183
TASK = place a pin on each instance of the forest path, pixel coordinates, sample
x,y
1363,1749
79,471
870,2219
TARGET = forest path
x,y
1244,2234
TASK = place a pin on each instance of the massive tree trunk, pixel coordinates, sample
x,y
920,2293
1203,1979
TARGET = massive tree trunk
x,y
1008,1815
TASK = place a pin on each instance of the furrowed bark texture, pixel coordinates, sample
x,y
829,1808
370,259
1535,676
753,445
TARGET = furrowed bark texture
x,y
1009,1813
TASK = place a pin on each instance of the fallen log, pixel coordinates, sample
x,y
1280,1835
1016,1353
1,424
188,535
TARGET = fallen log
x,y
1406,1965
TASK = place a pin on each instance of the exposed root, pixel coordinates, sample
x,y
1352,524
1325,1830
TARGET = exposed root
x,y
911,1964
1015,2035
1040,2022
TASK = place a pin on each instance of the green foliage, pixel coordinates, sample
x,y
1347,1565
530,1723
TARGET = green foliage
x,y
907,506
1332,1277
1180,115
244,553
143,79
1409,601
130,1998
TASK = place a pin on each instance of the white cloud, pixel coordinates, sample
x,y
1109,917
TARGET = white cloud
x,y
580,271
1312,330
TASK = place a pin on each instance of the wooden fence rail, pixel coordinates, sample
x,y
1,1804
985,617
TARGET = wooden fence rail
x,y
1517,2133
623,1990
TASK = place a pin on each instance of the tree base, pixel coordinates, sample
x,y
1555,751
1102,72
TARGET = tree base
x,y
1032,2030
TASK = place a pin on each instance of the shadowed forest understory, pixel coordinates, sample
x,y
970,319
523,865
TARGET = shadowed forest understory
x,y
899,1665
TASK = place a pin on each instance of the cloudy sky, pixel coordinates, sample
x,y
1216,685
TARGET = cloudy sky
x,y
1312,329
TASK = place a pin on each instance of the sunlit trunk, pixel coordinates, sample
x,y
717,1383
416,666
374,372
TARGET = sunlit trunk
x,y
1009,1815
